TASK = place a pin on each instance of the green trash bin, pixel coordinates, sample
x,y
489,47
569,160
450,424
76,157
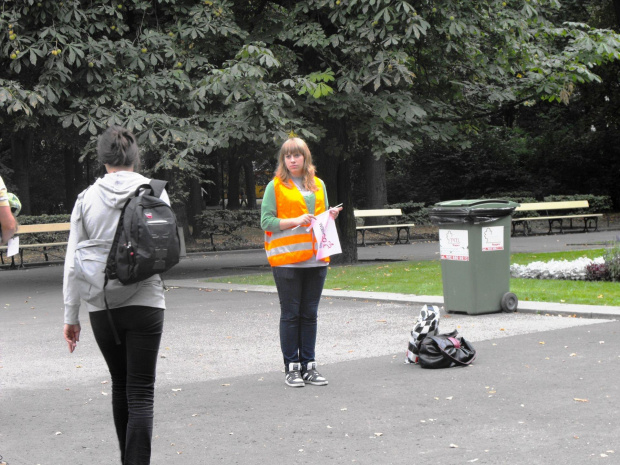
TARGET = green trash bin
x,y
474,243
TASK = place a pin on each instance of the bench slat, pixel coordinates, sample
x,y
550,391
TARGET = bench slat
x,y
43,228
384,212
534,218
386,226
553,205
38,246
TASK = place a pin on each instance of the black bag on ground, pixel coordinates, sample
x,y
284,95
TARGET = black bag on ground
x,y
445,351
146,241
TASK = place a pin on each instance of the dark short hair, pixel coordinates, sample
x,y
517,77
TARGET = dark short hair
x,y
117,146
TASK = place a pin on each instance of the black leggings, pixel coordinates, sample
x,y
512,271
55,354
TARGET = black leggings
x,y
132,367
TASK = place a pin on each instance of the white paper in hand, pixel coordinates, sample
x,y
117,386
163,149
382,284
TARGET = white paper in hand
x,y
326,235
12,247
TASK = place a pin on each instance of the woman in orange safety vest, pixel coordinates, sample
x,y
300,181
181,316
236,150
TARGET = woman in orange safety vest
x,y
291,200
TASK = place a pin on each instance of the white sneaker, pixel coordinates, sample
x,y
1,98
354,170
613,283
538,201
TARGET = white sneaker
x,y
311,376
293,375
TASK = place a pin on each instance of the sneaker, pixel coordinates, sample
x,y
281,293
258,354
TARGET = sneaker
x,y
293,375
311,376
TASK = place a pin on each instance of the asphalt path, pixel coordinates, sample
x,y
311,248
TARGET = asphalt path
x,y
543,389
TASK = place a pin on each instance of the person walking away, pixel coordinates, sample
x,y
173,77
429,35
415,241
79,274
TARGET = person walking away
x,y
136,310
8,225
291,200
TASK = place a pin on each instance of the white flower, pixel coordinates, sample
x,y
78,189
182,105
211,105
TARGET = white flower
x,y
554,269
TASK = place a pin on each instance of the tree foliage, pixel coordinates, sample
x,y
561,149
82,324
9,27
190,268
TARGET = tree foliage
x,y
195,78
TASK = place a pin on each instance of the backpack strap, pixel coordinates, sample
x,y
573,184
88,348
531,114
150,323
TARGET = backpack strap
x,y
158,186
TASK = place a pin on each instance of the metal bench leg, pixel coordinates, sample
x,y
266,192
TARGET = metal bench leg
x,y
561,226
398,230
21,260
587,224
522,223
363,231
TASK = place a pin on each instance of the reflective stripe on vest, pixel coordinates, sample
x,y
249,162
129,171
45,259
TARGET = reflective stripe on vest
x,y
292,245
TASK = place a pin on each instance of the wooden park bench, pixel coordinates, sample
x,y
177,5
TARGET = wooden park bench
x,y
549,209
389,212
44,247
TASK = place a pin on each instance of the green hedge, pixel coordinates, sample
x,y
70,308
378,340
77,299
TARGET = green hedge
x,y
413,212
44,219
226,223
598,203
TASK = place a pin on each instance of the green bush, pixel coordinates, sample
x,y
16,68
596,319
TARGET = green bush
x,y
44,219
413,212
226,223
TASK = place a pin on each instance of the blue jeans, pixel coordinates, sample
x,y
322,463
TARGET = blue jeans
x,y
132,368
299,290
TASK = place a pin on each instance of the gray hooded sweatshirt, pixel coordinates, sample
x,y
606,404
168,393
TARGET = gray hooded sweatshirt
x,y
93,221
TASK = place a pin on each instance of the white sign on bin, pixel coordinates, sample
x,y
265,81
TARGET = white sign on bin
x,y
492,238
454,245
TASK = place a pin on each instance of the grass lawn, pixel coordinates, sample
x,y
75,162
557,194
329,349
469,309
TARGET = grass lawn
x,y
424,278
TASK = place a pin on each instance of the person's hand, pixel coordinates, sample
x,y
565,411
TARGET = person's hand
x,y
72,336
335,211
304,219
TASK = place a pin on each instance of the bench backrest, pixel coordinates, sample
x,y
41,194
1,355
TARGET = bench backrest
x,y
43,228
569,204
383,212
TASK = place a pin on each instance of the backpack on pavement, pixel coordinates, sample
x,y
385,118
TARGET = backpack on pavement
x,y
446,350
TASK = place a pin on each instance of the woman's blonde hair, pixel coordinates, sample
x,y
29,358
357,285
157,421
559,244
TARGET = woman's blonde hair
x,y
291,146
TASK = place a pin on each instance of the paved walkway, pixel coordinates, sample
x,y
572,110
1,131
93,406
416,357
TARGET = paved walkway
x,y
541,391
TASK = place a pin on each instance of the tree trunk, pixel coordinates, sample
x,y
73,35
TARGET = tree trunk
x,y
21,144
213,188
194,206
617,9
376,188
178,208
73,178
346,222
233,181
334,168
222,184
250,183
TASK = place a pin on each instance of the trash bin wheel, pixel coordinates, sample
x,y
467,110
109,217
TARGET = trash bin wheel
x,y
509,302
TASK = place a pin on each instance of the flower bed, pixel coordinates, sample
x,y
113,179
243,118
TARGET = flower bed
x,y
557,269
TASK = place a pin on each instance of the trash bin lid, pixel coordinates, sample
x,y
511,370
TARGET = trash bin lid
x,y
476,204
473,211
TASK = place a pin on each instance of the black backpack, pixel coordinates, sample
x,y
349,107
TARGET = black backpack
x,y
146,241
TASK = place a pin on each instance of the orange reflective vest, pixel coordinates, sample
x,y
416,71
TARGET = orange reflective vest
x,y
292,245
